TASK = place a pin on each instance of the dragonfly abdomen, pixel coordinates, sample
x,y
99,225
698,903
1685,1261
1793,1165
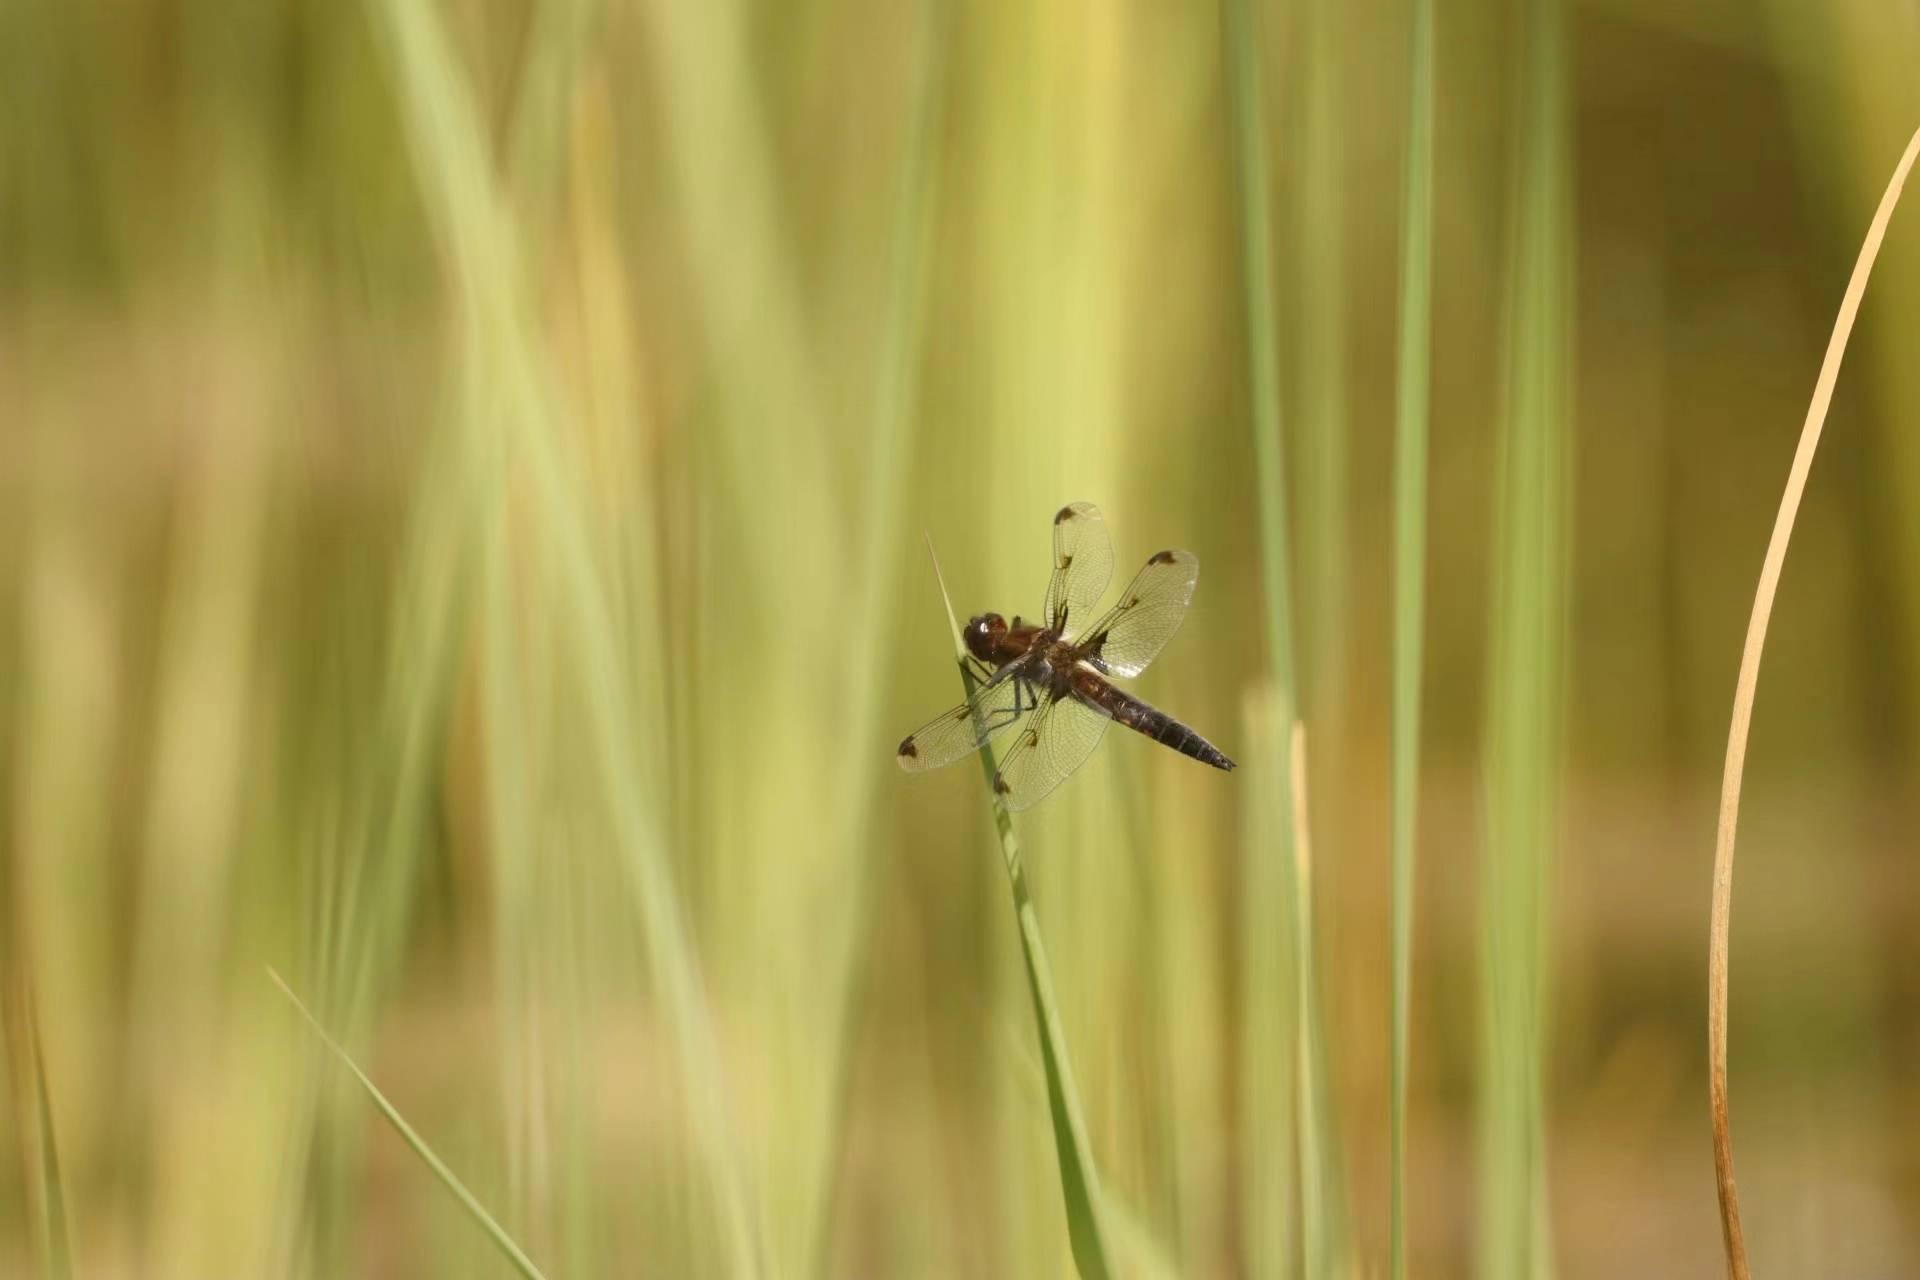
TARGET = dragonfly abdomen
x,y
1146,719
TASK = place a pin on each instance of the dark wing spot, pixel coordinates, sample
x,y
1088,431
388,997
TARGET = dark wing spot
x,y
1065,561
1000,784
1065,513
1033,739
962,713
1164,557
907,748
1133,602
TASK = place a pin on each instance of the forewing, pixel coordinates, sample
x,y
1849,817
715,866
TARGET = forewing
x,y
1082,565
1055,740
1145,617
994,706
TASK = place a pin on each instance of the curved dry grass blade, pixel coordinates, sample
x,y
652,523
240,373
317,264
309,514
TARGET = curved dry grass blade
x,y
1079,1181
1720,916
475,1210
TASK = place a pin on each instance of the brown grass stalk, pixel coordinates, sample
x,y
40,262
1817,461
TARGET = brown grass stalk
x,y
1743,694
1315,1246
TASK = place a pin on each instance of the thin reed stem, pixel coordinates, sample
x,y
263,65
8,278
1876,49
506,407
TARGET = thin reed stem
x,y
1526,669
1247,106
1319,1188
1409,596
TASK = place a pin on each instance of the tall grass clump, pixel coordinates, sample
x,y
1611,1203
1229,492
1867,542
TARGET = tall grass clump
x,y
511,420
1526,666
1409,600
1720,918
786,529
1274,902
889,448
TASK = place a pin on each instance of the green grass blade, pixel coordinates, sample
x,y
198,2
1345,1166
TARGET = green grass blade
x,y
1320,362
46,1190
1140,1251
1409,597
1321,431
1526,667
468,1201
1246,104
1269,1032
1079,1182
53,1196
1143,1253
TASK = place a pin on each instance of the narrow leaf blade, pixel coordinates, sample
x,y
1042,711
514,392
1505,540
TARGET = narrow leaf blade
x,y
468,1201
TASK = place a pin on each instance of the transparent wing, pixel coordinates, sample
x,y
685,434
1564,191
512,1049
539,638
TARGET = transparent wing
x,y
994,706
1055,740
1082,565
1145,617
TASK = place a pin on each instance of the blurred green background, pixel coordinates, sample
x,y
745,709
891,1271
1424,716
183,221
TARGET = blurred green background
x,y
463,470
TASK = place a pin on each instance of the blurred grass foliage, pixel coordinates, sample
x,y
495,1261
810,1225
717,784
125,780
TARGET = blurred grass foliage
x,y
462,470
1526,666
1413,390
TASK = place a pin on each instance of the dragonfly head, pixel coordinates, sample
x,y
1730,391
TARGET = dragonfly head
x,y
983,635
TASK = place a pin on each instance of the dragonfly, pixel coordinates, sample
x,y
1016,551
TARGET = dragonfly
x,y
1054,677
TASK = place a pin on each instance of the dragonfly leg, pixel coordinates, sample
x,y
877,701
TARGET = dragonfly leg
x,y
1021,693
